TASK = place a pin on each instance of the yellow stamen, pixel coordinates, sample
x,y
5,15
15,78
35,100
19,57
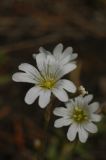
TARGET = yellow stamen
x,y
49,83
79,115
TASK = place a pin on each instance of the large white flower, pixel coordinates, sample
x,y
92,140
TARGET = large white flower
x,y
46,80
80,115
62,57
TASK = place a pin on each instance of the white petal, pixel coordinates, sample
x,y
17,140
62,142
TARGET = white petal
x,y
62,122
83,134
74,56
28,68
44,98
95,117
91,127
79,101
68,85
64,60
40,60
66,56
70,105
68,68
32,95
68,51
34,55
60,111
72,132
22,77
50,60
58,49
94,106
45,64
88,98
60,94
43,50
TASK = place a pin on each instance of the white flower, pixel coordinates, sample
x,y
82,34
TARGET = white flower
x,y
62,57
46,80
80,115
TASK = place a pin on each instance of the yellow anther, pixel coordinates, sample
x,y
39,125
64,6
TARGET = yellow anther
x,y
79,115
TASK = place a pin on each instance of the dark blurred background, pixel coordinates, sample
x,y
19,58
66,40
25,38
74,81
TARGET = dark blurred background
x,y
25,25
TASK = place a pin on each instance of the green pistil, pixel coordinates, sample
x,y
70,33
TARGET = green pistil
x,y
79,115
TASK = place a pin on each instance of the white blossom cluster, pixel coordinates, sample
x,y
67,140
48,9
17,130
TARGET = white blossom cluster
x,y
47,79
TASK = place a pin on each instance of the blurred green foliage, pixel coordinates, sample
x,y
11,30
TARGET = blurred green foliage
x,y
3,57
4,79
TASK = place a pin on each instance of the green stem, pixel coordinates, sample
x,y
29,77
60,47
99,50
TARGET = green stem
x,y
47,117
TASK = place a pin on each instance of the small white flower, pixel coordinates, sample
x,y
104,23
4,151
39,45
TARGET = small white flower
x,y
80,115
62,57
82,90
46,80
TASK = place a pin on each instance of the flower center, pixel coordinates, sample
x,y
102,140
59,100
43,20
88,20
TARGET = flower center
x,y
49,83
79,115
